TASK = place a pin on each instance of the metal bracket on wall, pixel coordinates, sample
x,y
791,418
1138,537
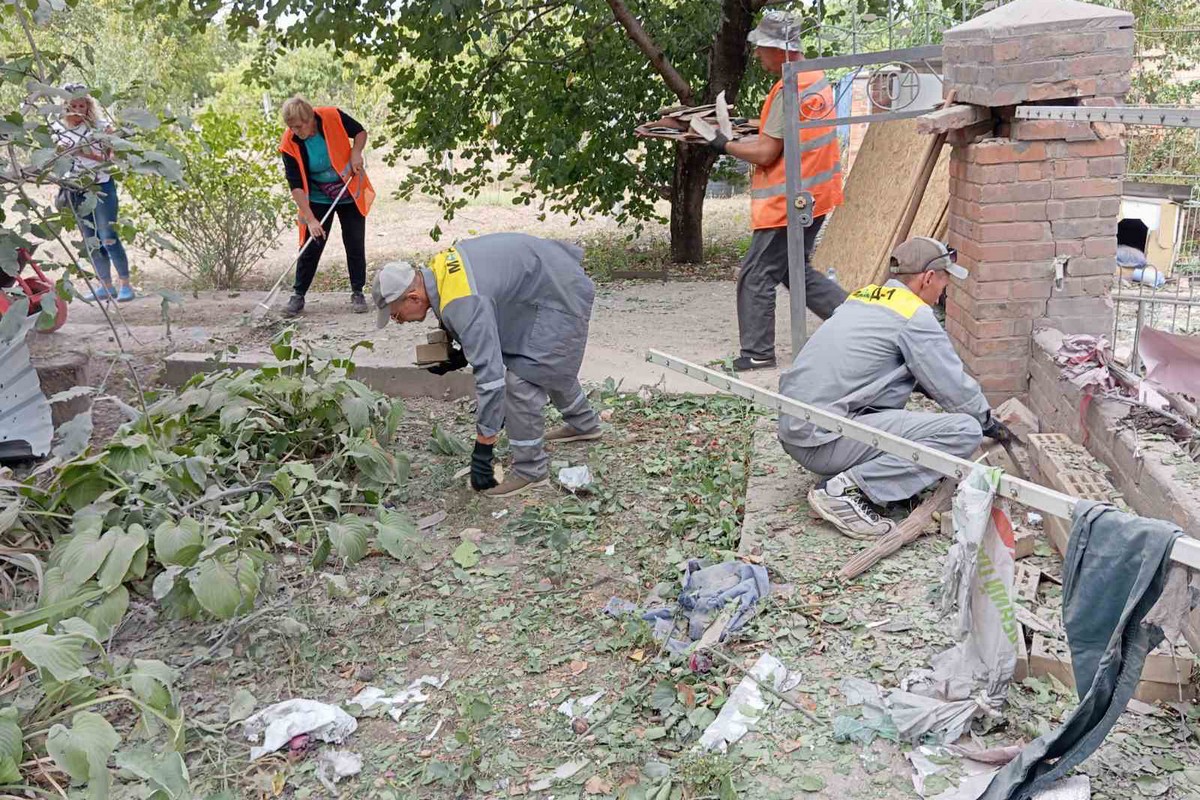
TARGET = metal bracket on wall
x,y
1157,116
1186,551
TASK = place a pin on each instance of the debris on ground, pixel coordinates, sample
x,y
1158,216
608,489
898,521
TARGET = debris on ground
x,y
280,723
745,704
334,765
575,479
373,697
726,593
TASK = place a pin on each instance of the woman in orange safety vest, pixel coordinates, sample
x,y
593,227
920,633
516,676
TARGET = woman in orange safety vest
x,y
323,160
776,40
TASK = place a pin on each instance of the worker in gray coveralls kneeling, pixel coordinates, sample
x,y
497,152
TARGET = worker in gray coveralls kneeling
x,y
518,307
863,363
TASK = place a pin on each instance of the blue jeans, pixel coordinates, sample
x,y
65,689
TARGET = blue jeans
x,y
98,225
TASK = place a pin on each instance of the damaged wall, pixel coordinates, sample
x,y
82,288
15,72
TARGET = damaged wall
x,y
1034,204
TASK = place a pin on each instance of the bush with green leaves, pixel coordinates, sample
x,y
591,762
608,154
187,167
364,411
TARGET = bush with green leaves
x,y
228,210
184,505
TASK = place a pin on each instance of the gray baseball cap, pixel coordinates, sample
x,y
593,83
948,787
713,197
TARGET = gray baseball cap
x,y
777,29
922,253
390,283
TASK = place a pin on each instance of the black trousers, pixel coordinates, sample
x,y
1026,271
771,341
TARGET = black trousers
x,y
354,235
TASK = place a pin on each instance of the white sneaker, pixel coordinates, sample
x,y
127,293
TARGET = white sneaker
x,y
850,513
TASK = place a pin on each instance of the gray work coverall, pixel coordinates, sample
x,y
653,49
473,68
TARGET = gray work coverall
x,y
863,363
763,269
523,326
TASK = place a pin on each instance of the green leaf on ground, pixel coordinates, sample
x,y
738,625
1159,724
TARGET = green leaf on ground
x,y
242,705
810,783
224,586
12,746
83,751
165,772
349,537
61,656
466,555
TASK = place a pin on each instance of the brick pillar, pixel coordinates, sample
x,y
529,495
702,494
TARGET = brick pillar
x,y
1033,201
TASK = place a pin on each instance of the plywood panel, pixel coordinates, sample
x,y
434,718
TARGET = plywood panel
x,y
885,167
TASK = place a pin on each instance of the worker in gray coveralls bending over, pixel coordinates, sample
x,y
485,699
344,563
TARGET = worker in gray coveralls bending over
x,y
518,307
863,363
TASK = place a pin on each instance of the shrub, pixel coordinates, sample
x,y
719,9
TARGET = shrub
x,y
230,208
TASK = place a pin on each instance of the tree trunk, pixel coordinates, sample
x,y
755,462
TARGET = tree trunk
x,y
727,62
692,166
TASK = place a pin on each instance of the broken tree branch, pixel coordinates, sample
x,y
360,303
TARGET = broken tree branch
x,y
658,59
908,531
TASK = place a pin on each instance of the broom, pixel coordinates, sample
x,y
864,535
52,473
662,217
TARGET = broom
x,y
264,305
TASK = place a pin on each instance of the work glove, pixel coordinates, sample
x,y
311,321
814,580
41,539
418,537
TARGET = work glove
x,y
997,431
482,475
718,143
457,360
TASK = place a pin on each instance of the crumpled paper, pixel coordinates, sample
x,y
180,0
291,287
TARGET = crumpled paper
x,y
278,724
746,704
372,696
575,479
333,765
580,706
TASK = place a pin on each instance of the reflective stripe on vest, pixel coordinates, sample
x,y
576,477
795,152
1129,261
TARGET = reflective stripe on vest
x,y
820,165
338,143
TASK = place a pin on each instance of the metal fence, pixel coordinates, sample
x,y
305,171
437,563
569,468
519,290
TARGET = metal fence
x,y
1162,299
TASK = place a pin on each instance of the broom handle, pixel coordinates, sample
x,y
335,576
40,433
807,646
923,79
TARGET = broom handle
x,y
263,303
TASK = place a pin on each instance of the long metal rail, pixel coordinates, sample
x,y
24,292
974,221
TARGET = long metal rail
x,y
1158,116
1048,501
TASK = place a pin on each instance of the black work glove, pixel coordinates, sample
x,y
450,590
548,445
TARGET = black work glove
x,y
718,143
997,431
482,474
457,360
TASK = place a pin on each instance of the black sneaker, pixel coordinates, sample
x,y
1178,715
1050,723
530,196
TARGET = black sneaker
x,y
745,363
295,305
358,303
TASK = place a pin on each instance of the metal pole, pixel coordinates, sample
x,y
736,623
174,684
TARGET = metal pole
x,y
1186,550
794,183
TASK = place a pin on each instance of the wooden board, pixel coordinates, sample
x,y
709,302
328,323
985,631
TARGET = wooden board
x,y
856,237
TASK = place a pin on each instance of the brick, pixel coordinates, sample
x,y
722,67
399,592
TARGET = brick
x,y
1104,63
1014,192
1013,232
1091,324
1033,171
1011,347
1083,267
1006,51
1069,248
1083,228
1002,385
1086,187
1070,167
1090,286
1109,130
1019,419
1106,167
1009,310
1115,85
1055,90
1099,102
1099,148
1100,248
986,173
1088,207
1040,129
1010,271
1078,307
1032,289
1122,39
1006,151
1060,44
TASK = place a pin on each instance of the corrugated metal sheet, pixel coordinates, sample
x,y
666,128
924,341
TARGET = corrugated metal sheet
x,y
24,410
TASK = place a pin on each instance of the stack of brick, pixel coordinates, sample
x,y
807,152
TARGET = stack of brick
x,y
1033,211
1032,50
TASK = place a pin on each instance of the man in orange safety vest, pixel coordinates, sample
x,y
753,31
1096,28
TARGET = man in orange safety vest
x,y
776,40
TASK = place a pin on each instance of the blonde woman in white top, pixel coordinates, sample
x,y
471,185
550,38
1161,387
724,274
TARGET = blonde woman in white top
x,y
77,133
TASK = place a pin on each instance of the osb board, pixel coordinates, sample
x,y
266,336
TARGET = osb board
x,y
885,168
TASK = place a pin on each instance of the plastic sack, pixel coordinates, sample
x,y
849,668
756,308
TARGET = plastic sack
x,y
978,582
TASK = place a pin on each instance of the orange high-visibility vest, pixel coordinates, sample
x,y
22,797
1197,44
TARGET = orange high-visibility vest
x,y
820,162
338,143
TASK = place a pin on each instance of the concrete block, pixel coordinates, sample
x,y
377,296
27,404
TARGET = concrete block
x,y
58,374
380,374
431,353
